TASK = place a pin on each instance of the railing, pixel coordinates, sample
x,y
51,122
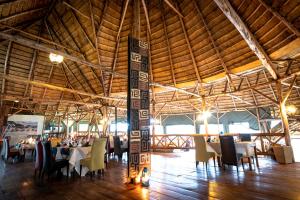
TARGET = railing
x,y
264,141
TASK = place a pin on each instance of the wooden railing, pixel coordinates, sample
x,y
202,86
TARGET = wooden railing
x,y
264,141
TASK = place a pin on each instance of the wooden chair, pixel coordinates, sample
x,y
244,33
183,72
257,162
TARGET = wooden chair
x,y
10,152
96,161
201,154
229,155
249,159
118,150
51,165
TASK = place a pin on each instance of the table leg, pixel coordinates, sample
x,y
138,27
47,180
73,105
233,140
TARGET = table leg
x,y
256,158
250,164
219,161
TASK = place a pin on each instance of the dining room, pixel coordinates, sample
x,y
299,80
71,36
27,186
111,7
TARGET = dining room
x,y
149,99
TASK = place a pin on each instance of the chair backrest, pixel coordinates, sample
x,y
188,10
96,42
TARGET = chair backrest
x,y
7,149
200,148
228,150
38,155
97,154
245,137
4,149
47,160
117,145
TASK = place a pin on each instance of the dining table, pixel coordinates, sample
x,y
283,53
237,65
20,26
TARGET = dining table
x,y
247,149
76,154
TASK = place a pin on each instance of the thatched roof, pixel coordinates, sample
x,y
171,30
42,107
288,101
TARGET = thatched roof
x,y
198,51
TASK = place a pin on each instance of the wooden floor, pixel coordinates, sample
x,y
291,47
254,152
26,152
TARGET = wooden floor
x,y
174,176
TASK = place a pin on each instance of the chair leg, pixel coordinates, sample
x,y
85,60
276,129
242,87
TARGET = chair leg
x,y
214,161
206,166
250,164
197,163
80,170
242,160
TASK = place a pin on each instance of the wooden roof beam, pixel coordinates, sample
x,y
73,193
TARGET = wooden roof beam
x,y
27,12
76,10
168,44
8,51
101,79
173,8
146,15
281,18
45,48
38,37
216,48
191,52
57,88
77,66
250,39
124,10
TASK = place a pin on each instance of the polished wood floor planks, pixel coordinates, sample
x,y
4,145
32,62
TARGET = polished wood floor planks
x,y
174,176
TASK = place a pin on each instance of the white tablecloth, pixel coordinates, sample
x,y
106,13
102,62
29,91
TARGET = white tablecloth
x,y
77,154
245,148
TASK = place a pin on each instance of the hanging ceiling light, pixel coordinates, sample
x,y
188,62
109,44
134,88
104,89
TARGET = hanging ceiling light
x,y
291,109
204,115
55,58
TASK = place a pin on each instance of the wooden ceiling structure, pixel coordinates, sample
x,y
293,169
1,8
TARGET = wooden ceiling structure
x,y
222,54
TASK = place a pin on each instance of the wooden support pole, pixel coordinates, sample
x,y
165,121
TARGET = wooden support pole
x,y
5,66
204,109
283,114
116,121
136,28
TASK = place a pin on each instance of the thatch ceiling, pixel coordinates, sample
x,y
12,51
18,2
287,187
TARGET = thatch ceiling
x,y
201,53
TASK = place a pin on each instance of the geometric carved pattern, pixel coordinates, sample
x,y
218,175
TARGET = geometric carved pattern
x,y
144,158
145,140
138,106
143,76
134,79
143,114
144,96
135,57
135,134
135,146
135,94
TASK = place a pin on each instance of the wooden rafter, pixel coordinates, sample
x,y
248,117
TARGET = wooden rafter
x,y
101,80
38,37
76,10
147,16
114,63
252,42
27,12
286,96
8,51
191,52
44,48
213,42
281,18
173,8
77,66
168,44
57,88
82,28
